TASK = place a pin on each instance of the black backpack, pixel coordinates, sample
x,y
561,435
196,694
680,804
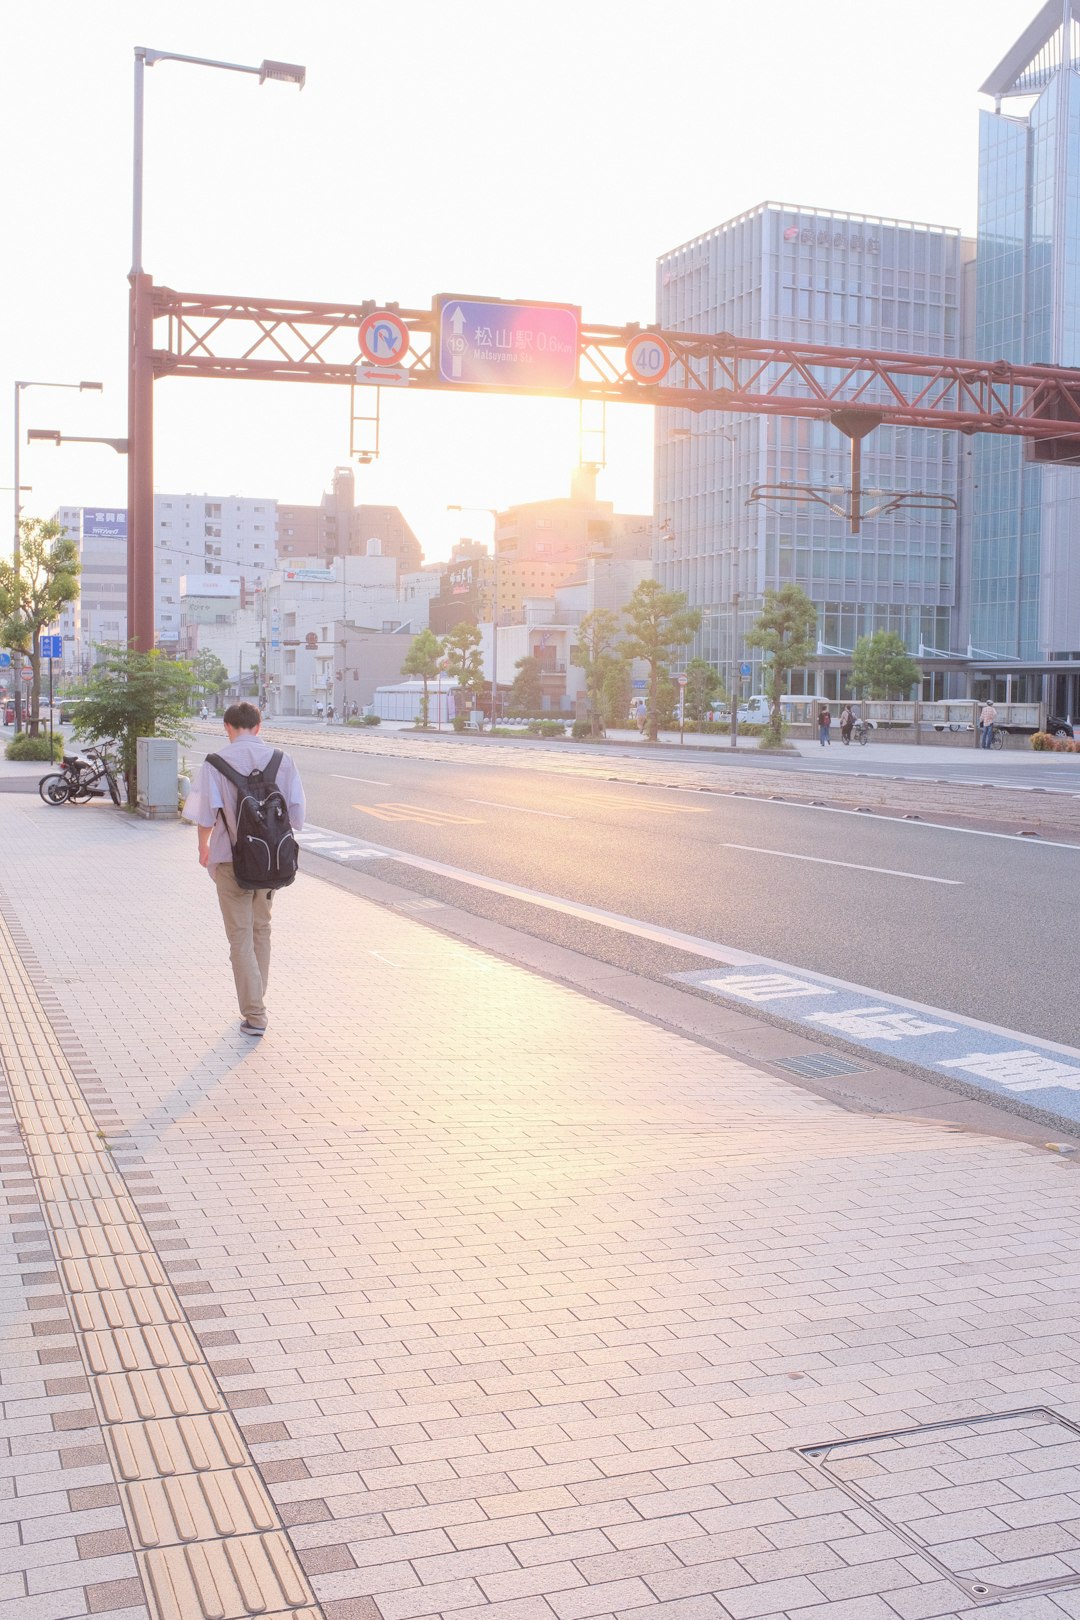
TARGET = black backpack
x,y
265,852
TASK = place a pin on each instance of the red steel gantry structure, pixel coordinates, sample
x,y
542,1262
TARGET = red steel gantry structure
x,y
175,334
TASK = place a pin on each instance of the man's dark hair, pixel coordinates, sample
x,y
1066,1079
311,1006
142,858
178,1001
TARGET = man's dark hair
x,y
242,716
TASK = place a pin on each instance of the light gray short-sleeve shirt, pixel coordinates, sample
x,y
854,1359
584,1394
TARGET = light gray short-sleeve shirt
x,y
211,793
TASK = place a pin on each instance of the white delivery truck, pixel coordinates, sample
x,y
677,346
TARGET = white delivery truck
x,y
754,711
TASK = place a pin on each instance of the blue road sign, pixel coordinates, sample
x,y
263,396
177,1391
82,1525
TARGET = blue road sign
x,y
531,346
639,686
745,671
5,660
51,646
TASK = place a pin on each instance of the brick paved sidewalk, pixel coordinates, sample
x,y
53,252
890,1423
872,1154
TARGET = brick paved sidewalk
x,y
462,1294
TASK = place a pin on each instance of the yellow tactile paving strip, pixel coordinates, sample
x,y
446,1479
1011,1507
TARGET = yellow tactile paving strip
x,y
207,1537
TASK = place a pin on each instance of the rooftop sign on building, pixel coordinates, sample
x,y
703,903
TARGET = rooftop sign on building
x,y
103,523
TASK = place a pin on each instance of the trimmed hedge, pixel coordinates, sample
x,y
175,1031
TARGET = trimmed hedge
x,y
26,747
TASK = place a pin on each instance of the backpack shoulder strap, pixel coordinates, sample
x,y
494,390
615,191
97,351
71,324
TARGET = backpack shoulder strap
x,y
239,782
270,773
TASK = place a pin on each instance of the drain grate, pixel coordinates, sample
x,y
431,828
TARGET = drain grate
x,y
819,1066
992,1502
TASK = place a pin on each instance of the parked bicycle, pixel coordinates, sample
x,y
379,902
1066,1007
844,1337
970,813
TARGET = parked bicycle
x,y
82,777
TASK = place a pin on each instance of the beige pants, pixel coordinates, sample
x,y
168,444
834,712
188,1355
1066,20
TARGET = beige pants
x,y
247,925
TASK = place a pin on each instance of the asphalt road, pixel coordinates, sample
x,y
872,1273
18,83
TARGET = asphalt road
x,y
972,923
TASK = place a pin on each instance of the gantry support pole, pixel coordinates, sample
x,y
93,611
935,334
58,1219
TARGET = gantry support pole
x,y
140,554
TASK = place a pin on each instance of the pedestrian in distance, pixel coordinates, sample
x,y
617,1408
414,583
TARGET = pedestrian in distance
x,y
847,723
319,708
824,721
986,724
247,802
329,714
355,710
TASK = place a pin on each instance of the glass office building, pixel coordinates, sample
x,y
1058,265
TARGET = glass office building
x,y
1024,542
798,274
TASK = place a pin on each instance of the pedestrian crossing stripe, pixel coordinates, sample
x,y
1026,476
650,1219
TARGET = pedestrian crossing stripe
x,y
425,814
656,806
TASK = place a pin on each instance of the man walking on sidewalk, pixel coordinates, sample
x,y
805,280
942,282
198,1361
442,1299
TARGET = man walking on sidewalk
x,y
212,805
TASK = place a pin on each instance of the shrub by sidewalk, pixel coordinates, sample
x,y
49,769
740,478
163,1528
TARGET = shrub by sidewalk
x,y
26,747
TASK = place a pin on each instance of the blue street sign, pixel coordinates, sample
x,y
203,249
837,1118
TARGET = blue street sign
x,y
5,660
51,646
639,686
531,346
745,671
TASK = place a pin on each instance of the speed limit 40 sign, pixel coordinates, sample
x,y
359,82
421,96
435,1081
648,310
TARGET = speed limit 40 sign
x,y
648,358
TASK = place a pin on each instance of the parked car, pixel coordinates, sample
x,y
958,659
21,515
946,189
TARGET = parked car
x,y
1058,727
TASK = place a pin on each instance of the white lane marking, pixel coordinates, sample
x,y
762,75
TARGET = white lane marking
x,y
371,781
781,803
850,866
525,809
691,943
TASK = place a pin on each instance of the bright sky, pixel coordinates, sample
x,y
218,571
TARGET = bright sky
x,y
490,147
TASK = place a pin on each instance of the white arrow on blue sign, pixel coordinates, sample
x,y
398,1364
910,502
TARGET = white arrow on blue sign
x,y
5,660
51,646
745,671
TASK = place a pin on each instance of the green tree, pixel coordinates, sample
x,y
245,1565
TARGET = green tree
x,y
703,688
134,694
667,703
882,667
786,632
658,623
48,580
464,660
211,676
422,661
595,652
526,694
615,694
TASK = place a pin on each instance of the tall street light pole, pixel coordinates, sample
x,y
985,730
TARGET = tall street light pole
x,y
55,437
493,513
16,550
140,558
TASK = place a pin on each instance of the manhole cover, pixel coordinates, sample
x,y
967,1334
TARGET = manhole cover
x,y
819,1065
993,1503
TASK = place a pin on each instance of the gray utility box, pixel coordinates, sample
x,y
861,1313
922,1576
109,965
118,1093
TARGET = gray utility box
x,y
156,776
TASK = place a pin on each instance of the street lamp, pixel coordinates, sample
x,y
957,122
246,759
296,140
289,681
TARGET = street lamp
x,y
287,72
493,513
53,436
16,558
140,343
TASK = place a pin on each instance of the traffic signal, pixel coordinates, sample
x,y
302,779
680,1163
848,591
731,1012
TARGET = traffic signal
x,y
311,640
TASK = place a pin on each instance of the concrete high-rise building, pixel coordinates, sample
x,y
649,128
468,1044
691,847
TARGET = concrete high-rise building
x,y
337,527
98,616
572,528
1023,544
782,272
208,534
